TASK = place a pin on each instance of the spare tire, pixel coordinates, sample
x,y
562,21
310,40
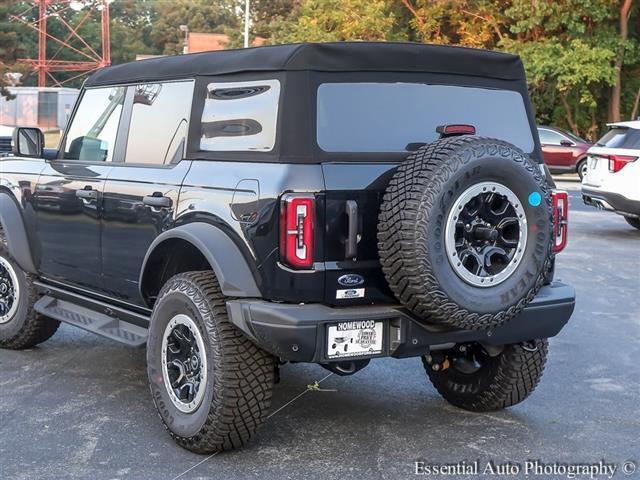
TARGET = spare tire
x,y
465,232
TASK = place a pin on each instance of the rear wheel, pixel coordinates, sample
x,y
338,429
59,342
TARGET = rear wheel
x,y
633,221
481,379
581,168
211,385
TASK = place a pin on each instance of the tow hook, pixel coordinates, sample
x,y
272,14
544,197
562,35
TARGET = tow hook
x,y
438,362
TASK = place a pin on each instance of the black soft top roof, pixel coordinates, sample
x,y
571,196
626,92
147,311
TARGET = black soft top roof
x,y
325,57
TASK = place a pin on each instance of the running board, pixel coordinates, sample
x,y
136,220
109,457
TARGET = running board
x,y
88,319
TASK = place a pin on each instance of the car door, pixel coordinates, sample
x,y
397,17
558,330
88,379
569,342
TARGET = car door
x,y
68,196
141,191
557,149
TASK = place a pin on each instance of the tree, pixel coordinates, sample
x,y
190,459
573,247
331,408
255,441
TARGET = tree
x,y
338,20
471,23
198,15
616,88
569,51
267,13
9,48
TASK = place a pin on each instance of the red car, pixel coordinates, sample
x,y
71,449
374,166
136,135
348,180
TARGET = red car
x,y
563,152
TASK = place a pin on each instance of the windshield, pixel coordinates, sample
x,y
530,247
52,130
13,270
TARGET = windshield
x,y
620,137
394,117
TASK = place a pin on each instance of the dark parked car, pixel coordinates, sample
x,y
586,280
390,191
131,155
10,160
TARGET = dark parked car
x,y
563,151
324,203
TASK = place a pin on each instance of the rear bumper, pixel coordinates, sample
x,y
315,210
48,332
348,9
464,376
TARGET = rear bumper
x,y
298,332
610,201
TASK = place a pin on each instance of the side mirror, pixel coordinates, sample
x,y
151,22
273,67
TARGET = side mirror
x,y
28,142
566,143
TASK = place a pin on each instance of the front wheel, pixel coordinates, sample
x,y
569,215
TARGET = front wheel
x,y
20,326
481,379
211,385
633,221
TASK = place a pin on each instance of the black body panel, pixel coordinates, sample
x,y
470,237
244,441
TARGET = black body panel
x,y
298,333
130,223
617,202
364,184
67,201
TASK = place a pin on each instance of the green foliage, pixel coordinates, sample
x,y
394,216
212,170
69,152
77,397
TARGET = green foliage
x,y
569,47
198,15
9,47
569,50
338,20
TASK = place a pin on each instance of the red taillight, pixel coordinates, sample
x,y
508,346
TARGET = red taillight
x,y
618,162
296,230
452,130
560,201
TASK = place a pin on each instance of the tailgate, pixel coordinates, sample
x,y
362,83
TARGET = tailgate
x,y
353,195
597,170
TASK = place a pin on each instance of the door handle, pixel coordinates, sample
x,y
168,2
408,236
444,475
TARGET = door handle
x,y
351,245
87,192
157,200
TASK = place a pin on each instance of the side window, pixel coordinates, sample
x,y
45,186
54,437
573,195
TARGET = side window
x,y
549,137
240,116
92,133
159,121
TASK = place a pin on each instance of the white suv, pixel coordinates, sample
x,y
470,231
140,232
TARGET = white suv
x,y
612,180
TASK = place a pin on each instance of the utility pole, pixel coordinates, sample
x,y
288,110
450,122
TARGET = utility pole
x,y
41,65
106,36
185,46
246,23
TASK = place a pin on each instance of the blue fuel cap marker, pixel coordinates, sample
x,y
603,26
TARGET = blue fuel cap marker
x,y
535,199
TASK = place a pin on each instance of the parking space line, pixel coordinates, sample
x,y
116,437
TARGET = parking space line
x,y
268,417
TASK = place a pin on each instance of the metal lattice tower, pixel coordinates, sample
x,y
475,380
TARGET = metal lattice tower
x,y
88,57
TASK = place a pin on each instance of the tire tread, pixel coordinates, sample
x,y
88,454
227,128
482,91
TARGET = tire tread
x,y
514,377
243,388
410,195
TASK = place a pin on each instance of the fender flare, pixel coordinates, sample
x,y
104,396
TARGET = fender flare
x,y
16,233
224,256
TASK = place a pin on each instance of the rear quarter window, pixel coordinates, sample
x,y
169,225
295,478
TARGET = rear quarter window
x,y
240,116
387,117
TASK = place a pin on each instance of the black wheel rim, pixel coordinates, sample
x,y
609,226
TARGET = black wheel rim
x,y
184,363
9,290
486,234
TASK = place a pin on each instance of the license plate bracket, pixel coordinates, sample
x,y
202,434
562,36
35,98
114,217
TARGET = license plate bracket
x,y
360,338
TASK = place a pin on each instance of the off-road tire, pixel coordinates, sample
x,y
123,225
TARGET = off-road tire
x,y
633,221
411,231
240,374
27,328
503,381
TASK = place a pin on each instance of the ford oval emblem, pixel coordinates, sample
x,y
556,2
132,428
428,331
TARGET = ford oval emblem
x,y
350,280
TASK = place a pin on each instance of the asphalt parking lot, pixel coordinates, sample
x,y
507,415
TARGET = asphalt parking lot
x,y
78,406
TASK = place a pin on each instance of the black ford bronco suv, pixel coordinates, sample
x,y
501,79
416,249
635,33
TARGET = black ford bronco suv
x,y
325,203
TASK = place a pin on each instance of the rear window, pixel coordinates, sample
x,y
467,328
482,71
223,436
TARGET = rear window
x,y
620,137
387,117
